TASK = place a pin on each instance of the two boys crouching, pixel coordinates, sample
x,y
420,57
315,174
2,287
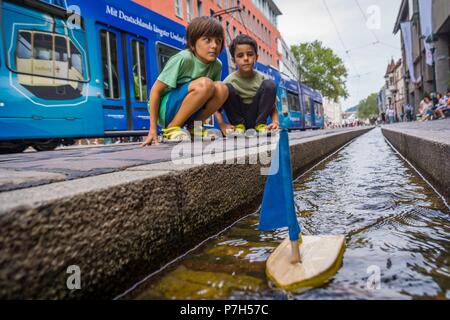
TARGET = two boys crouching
x,y
188,90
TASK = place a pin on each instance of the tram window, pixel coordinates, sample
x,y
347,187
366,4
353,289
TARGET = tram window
x,y
61,49
110,64
75,58
164,54
24,45
48,48
139,70
318,109
294,102
43,46
308,104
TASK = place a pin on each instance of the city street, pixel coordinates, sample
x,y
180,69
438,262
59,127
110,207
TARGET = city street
x,y
225,158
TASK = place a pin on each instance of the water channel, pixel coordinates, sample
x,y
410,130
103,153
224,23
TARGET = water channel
x,y
397,236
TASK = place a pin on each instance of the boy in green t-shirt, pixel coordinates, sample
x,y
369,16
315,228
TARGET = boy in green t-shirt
x,y
251,98
188,88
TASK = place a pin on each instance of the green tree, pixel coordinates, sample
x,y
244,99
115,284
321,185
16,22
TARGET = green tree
x,y
321,69
368,108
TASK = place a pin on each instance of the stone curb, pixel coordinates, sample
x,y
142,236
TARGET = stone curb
x,y
121,226
430,156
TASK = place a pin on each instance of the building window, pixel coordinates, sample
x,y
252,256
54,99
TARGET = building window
x,y
199,8
239,12
189,10
258,28
178,8
228,33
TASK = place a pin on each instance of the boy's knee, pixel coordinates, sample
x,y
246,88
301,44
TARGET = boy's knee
x,y
221,90
269,85
205,85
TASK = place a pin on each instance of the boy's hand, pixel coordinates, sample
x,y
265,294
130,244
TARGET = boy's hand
x,y
226,128
273,126
152,138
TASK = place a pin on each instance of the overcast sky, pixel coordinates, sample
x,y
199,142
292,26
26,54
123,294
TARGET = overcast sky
x,y
308,20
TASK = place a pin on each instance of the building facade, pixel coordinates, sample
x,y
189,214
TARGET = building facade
x,y
393,91
257,18
333,113
389,86
381,100
288,64
440,40
398,94
441,28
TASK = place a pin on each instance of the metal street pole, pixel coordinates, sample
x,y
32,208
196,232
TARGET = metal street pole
x,y
433,49
432,40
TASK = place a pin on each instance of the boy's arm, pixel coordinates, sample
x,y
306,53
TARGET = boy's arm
x,y
155,97
224,127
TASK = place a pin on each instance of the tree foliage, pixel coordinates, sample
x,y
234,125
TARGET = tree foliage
x,y
367,108
321,69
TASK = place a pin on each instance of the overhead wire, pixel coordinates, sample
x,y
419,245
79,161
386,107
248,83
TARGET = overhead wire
x,y
377,40
339,36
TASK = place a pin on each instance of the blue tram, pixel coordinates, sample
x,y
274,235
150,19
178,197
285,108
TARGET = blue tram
x,y
82,68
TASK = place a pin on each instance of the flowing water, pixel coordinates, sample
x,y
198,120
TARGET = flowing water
x,y
397,236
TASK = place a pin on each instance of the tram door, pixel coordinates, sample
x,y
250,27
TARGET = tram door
x,y
137,76
294,109
309,111
113,73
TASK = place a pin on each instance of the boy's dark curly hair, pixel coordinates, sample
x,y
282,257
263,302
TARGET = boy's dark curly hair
x,y
243,39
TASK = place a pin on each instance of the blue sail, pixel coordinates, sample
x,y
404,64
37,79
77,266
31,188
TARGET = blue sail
x,y
278,209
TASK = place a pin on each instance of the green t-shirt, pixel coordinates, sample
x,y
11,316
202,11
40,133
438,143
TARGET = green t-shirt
x,y
181,68
246,87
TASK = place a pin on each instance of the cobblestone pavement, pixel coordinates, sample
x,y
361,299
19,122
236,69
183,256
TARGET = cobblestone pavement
x,y
37,168
436,130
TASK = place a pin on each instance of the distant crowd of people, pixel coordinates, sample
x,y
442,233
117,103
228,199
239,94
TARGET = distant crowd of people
x,y
432,107
435,107
109,140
